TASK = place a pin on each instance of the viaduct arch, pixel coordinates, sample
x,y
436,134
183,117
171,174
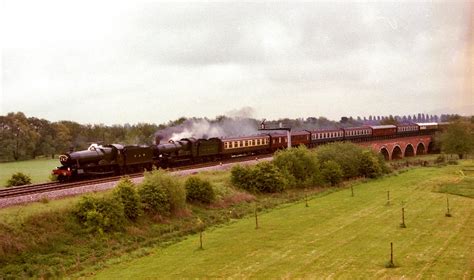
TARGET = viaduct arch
x,y
399,148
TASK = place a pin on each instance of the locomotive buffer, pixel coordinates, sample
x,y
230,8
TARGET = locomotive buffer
x,y
287,129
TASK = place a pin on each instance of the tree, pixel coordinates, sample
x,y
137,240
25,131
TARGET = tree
x,y
369,164
389,120
127,194
62,137
458,139
299,163
331,172
44,142
18,137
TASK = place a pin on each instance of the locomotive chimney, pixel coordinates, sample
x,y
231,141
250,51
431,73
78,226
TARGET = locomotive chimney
x,y
157,139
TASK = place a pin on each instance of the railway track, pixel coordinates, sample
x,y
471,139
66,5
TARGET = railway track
x,y
53,186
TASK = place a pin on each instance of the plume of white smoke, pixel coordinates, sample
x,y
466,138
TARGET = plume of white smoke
x,y
200,128
233,123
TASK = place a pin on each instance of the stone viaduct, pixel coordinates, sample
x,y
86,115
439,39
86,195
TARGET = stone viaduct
x,y
398,148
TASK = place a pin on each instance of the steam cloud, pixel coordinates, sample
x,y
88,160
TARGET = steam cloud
x,y
233,123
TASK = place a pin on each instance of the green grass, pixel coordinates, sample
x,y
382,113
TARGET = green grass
x,y
337,236
15,214
38,169
463,186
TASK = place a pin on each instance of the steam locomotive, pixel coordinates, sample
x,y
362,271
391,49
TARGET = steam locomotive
x,y
116,159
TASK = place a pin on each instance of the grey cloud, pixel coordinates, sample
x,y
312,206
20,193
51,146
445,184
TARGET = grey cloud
x,y
203,59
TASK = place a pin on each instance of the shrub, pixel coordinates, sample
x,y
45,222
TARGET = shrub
x,y
127,194
369,165
200,190
162,193
440,159
263,177
241,177
299,164
331,172
344,154
154,198
267,178
354,160
18,179
453,162
100,214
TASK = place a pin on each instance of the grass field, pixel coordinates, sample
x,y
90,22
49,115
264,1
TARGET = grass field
x,y
38,169
336,237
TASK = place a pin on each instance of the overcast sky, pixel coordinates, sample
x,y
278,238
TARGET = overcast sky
x,y
147,61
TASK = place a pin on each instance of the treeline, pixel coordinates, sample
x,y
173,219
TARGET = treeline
x,y
418,118
24,137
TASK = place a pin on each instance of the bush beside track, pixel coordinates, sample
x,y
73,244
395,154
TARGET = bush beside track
x,y
60,242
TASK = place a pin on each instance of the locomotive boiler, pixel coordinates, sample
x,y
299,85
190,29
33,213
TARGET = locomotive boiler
x,y
98,160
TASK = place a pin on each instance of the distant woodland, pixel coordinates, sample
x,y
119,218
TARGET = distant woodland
x,y
23,137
